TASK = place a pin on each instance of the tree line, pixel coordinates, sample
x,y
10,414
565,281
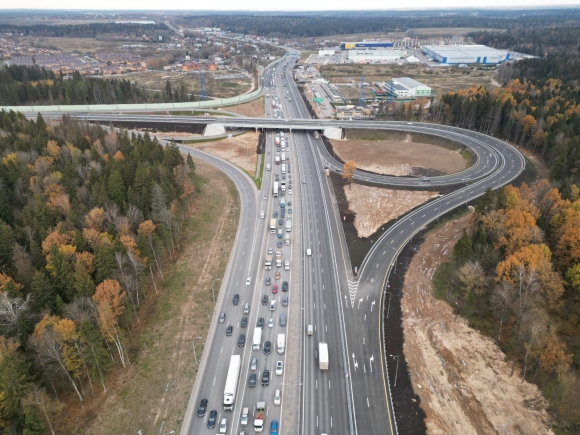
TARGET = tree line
x,y
87,217
516,277
31,85
299,24
90,30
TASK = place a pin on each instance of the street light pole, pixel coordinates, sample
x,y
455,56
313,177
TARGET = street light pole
x,y
397,369
212,291
194,354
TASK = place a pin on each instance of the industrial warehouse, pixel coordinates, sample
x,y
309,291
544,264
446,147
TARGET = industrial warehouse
x,y
465,54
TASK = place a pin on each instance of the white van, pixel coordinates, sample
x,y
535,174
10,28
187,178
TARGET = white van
x,y
309,252
277,398
310,330
262,214
268,166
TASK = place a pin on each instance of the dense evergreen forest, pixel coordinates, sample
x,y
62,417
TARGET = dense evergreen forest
x,y
21,85
87,217
299,24
89,30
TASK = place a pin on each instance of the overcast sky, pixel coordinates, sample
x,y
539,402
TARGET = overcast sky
x,y
272,5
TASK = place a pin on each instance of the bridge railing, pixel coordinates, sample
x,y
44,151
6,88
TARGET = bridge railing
x,y
143,107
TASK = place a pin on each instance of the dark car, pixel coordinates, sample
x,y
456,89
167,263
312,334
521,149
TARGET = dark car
x,y
265,377
252,381
242,340
289,211
279,244
211,420
202,408
280,221
275,214
236,299
268,280
285,301
289,204
285,286
265,300
244,322
229,330
267,347
282,215
260,323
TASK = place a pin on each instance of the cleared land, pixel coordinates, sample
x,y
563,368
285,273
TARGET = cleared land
x,y
74,45
239,150
375,206
432,31
253,108
156,80
460,375
400,154
441,80
157,385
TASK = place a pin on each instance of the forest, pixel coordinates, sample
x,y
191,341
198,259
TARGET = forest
x,y
87,218
89,30
298,24
21,85
516,277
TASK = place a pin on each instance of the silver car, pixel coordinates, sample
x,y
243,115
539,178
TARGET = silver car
x,y
254,364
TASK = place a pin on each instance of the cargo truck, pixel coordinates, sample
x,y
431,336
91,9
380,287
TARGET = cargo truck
x,y
323,356
260,414
232,379
288,225
283,156
257,339
281,343
283,167
278,141
275,188
268,262
277,160
273,226
245,417
283,186
287,239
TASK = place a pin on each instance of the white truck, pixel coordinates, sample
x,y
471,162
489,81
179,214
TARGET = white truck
x,y
260,414
275,188
273,226
232,379
283,156
283,186
268,262
283,167
281,343
288,225
323,356
277,160
277,140
257,339
245,417
287,239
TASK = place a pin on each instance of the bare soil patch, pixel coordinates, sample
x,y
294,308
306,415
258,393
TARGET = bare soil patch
x,y
399,157
253,108
154,391
240,150
460,376
375,206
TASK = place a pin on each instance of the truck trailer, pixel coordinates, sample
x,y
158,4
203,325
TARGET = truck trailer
x,y
260,414
268,262
273,226
275,188
323,356
257,339
232,379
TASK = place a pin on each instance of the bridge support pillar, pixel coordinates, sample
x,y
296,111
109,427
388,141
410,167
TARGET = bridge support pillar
x,y
214,130
333,132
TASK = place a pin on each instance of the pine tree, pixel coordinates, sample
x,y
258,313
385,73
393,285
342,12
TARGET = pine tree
x,y
104,261
190,163
116,189
43,291
84,284
462,249
33,424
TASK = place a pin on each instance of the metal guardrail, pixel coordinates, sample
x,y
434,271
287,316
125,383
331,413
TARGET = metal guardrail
x,y
143,107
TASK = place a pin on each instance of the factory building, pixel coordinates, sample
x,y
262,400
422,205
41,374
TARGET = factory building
x,y
365,45
405,87
466,54
376,56
322,53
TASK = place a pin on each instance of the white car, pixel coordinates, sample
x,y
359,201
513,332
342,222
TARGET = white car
x,y
273,305
248,280
309,252
224,425
277,397
279,368
271,323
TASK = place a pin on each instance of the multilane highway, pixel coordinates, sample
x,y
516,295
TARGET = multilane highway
x,y
354,395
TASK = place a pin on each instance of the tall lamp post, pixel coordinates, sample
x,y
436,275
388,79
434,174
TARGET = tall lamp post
x,y
397,369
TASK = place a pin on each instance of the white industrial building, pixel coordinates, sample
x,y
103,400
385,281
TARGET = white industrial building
x,y
404,87
322,53
376,56
468,54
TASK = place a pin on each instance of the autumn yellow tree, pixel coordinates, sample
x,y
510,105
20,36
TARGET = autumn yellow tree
x,y
348,170
110,300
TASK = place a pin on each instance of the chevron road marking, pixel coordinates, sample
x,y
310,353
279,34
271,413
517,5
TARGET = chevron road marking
x,y
352,288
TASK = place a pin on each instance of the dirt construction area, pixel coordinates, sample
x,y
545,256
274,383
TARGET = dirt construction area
x,y
399,157
461,376
375,206
239,150
253,108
